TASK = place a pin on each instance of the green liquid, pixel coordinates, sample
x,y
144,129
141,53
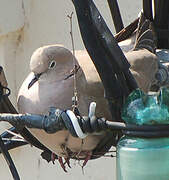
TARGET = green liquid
x,y
143,159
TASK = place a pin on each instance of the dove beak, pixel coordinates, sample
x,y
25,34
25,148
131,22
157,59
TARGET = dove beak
x,y
34,79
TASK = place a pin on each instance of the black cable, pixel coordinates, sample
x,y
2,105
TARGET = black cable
x,y
132,127
59,120
147,134
9,161
147,9
116,16
161,21
10,144
26,135
144,131
6,134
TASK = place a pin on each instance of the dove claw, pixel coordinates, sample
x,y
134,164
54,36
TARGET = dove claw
x,y
67,162
62,164
88,157
53,157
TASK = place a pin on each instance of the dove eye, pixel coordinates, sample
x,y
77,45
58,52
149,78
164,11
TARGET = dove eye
x,y
52,64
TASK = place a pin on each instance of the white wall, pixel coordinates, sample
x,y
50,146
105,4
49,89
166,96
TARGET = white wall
x,y
24,26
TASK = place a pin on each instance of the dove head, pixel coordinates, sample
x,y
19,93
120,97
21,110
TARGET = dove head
x,y
50,62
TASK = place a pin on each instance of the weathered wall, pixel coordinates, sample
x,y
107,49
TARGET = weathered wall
x,y
24,26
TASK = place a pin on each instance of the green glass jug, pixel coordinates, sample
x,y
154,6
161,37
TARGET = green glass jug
x,y
143,158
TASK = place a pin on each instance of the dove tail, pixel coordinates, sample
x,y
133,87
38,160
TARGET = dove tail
x,y
145,37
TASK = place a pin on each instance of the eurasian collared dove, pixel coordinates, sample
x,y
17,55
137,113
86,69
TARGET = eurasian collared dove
x,y
52,66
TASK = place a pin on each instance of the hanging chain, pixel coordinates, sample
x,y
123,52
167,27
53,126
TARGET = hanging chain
x,y
75,68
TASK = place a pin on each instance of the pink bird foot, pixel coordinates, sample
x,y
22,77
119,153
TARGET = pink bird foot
x,y
62,164
88,157
67,161
53,157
